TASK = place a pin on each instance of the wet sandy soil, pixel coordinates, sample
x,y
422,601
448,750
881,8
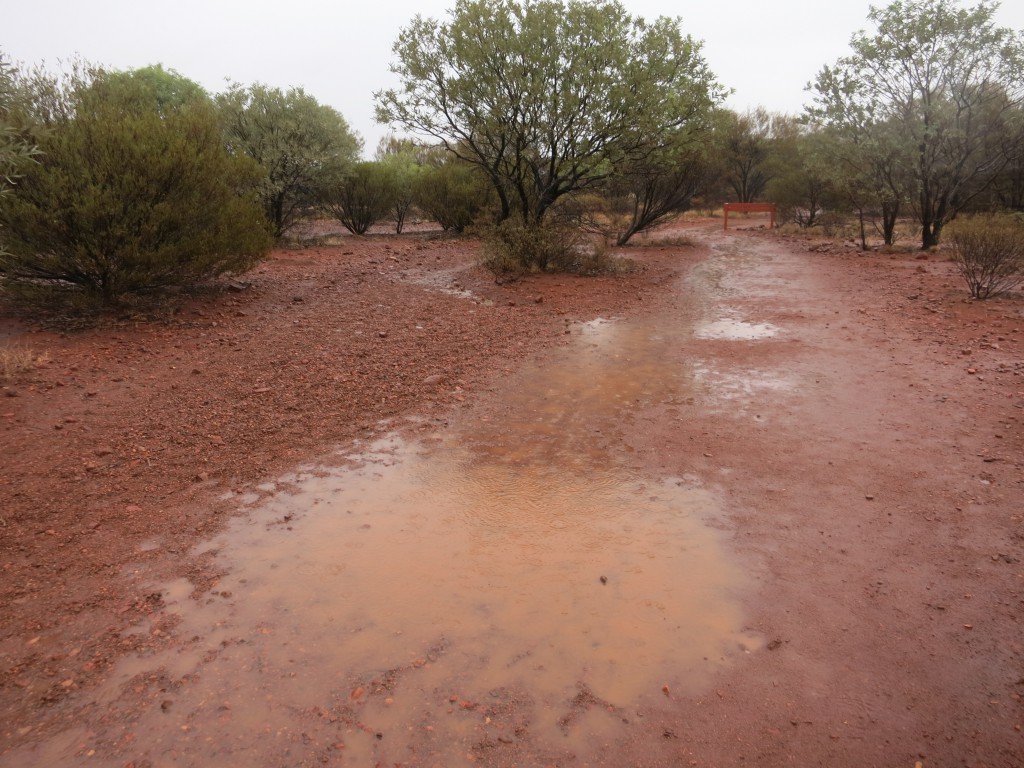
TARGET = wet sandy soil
x,y
764,517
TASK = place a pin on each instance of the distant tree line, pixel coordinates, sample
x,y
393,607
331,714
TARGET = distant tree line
x,y
532,120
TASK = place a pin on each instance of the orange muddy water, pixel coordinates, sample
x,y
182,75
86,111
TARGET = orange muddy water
x,y
500,580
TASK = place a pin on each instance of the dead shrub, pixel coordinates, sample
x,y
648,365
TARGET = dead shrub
x,y
988,251
16,360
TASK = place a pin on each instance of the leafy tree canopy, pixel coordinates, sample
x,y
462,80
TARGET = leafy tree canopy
x,y
546,97
950,79
304,146
15,151
170,89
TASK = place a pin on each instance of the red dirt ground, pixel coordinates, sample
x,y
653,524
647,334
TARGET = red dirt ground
x,y
880,506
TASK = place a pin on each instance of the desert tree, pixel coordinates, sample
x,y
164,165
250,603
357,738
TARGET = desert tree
x,y
129,193
947,79
1007,190
304,146
653,188
744,144
402,160
545,97
802,183
869,164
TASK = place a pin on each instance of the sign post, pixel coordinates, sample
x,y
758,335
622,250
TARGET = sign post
x,y
749,208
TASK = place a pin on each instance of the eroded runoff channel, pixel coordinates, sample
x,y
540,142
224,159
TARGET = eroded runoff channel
x,y
512,583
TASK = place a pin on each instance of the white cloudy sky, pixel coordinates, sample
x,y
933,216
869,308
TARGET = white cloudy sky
x,y
339,51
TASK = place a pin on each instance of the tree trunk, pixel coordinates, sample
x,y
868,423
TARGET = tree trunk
x,y
624,237
890,212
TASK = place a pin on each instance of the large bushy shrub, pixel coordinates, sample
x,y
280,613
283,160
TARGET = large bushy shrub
x,y
132,191
362,198
453,194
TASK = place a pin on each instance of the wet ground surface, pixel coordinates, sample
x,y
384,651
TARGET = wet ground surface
x,y
730,529
516,566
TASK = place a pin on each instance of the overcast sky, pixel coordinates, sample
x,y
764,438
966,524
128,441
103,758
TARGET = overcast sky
x,y
339,51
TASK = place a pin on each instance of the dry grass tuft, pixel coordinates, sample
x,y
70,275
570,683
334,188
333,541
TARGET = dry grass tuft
x,y
16,360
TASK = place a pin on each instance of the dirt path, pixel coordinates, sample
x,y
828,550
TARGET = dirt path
x,y
875,490
755,505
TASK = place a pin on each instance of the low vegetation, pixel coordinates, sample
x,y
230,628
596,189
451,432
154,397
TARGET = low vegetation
x,y
120,184
17,360
988,251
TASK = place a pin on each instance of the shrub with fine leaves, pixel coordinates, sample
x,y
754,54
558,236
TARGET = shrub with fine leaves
x,y
132,192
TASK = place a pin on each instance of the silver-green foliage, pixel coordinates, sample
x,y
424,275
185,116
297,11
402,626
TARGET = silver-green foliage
x,y
546,97
15,150
945,81
303,146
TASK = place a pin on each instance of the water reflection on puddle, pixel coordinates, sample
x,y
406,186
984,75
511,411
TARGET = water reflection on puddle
x,y
735,330
512,583
735,392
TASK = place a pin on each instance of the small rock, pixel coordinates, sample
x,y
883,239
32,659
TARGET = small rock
x,y
604,579
104,451
869,497
202,477
433,379
133,509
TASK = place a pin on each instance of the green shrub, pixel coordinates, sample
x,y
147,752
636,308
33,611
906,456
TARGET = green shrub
x,y
362,198
514,248
453,194
130,194
988,250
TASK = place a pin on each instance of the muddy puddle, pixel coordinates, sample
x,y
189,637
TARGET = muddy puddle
x,y
732,329
506,590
